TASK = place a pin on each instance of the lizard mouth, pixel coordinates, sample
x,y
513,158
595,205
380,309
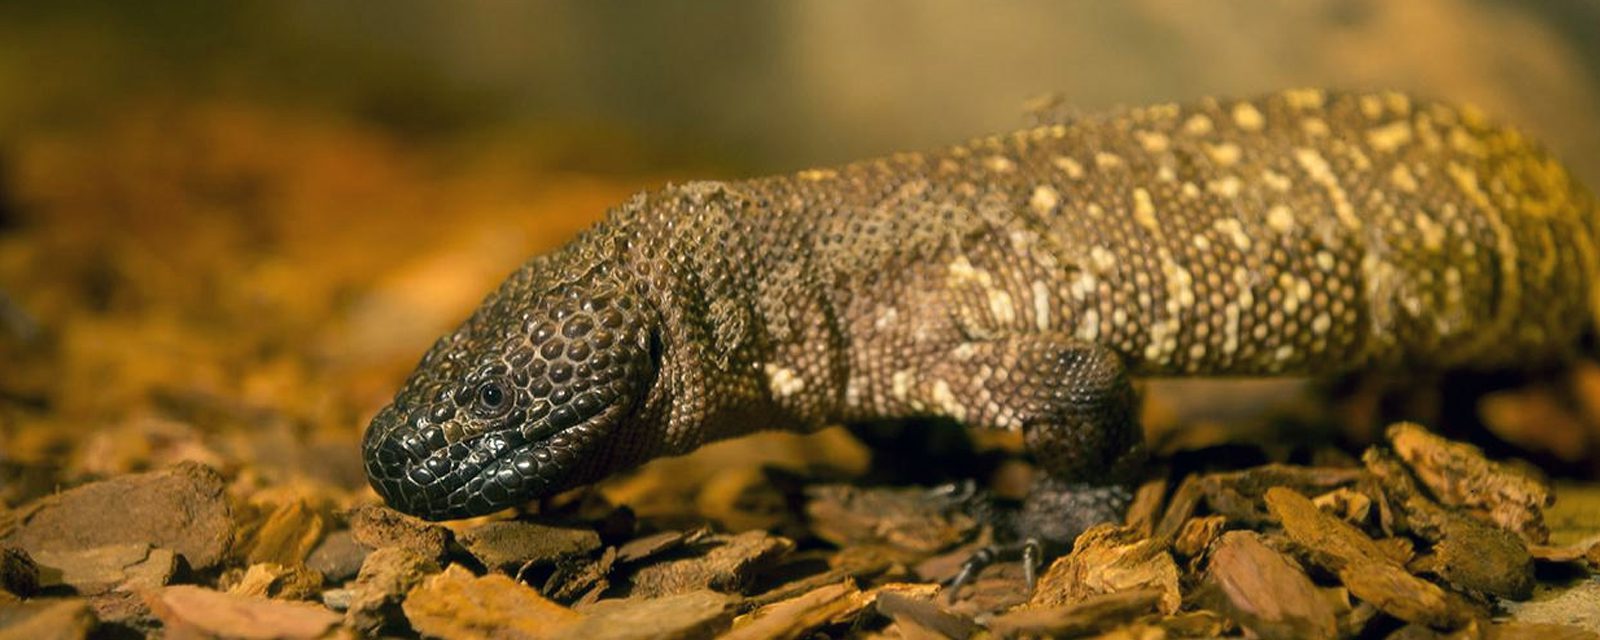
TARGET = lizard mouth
x,y
498,468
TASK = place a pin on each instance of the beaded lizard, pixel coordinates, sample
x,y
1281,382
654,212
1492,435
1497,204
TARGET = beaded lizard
x,y
1015,282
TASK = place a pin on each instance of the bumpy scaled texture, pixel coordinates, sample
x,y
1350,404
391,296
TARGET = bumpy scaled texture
x,y
1014,282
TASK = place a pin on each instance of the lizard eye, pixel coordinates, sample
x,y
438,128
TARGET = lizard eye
x,y
492,399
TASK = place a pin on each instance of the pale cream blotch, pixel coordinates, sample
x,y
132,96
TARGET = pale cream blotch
x,y
783,382
1248,117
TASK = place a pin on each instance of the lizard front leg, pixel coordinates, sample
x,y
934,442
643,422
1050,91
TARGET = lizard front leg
x,y
1076,408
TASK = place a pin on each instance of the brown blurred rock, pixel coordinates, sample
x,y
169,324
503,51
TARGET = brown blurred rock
x,y
102,569
183,508
378,526
1266,592
338,557
47,619
908,519
727,564
1109,559
386,577
286,582
1457,474
198,612
509,547
457,604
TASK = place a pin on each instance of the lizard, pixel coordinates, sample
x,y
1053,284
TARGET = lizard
x,y
1018,281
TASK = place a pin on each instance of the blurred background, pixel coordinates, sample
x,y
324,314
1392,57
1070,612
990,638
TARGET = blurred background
x,y
227,230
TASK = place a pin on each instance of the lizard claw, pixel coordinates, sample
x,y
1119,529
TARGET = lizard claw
x,y
1030,551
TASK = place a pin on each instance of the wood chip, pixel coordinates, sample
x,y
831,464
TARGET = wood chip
x,y
1091,615
909,520
385,578
457,604
199,612
1459,475
1109,559
1266,592
1472,555
287,582
1363,566
727,564
798,617
183,509
103,569
510,547
47,618
378,527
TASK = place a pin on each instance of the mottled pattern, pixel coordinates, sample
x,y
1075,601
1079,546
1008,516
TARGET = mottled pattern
x,y
1014,282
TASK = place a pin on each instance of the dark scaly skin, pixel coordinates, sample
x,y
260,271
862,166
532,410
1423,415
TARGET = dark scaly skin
x,y
1015,282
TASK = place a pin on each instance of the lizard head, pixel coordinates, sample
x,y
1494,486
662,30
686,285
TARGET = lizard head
x,y
518,402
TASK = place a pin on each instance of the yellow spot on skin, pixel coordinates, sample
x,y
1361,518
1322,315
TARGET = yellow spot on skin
x,y
1402,179
1190,190
1107,160
1041,305
1371,107
1276,180
901,384
1082,286
1390,136
1226,187
1314,127
1072,167
1432,233
1284,353
1144,211
1321,324
1467,180
1304,98
783,382
1232,229
1197,124
1153,142
946,401
1044,200
814,175
1398,102
999,164
1165,173
1197,351
1325,261
1102,260
1280,219
1089,326
1317,167
1225,154
1201,242
1466,143
1248,117
961,270
886,318
1000,305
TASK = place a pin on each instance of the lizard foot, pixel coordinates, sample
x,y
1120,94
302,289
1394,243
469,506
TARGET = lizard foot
x,y
1042,528
1030,551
